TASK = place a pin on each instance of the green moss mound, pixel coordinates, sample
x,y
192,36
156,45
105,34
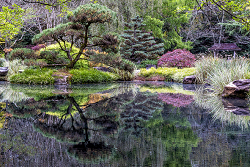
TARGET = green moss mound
x,y
91,76
34,76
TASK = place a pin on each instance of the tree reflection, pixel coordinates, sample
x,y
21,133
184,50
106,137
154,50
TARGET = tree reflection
x,y
118,126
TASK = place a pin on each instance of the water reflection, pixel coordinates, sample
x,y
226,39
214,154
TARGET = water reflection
x,y
121,124
231,111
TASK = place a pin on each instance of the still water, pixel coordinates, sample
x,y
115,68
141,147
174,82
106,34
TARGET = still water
x,y
121,124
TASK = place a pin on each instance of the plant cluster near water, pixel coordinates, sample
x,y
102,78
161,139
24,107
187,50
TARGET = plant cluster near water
x,y
220,72
91,76
170,74
34,76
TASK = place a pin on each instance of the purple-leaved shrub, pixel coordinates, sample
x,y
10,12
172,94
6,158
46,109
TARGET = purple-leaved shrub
x,y
177,58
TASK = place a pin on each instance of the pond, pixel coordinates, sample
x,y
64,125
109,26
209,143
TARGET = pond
x,y
121,124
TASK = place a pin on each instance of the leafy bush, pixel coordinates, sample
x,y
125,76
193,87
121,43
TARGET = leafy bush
x,y
170,74
53,57
81,64
22,53
81,76
57,47
144,63
113,60
34,76
177,58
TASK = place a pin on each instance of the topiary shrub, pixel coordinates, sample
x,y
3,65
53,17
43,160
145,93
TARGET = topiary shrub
x,y
22,53
177,58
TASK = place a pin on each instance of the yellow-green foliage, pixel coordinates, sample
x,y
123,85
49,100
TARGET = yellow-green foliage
x,y
34,76
170,74
172,89
57,47
2,119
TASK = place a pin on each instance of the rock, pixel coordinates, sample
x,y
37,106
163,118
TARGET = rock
x,y
3,71
237,88
189,79
104,69
148,66
236,106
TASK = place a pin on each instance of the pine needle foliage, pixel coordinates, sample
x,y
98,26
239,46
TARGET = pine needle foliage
x,y
76,31
139,44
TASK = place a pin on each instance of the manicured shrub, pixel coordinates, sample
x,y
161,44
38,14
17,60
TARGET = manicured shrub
x,y
81,76
177,58
53,57
33,76
22,53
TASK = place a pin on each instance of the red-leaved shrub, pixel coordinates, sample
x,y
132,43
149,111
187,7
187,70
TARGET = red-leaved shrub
x,y
177,58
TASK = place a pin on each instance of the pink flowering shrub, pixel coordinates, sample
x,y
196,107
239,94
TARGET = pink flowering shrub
x,y
177,58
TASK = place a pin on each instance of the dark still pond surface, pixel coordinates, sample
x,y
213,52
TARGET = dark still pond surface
x,y
121,124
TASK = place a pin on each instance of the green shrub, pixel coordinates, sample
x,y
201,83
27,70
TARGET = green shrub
x,y
112,60
21,53
91,76
33,76
57,47
54,57
146,62
170,74
81,64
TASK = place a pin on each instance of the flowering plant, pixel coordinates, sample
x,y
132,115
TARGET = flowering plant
x,y
177,58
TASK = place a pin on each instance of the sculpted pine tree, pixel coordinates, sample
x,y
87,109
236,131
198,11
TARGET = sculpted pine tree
x,y
76,31
138,44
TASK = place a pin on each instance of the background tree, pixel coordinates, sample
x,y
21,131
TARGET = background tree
x,y
10,23
76,31
173,13
139,44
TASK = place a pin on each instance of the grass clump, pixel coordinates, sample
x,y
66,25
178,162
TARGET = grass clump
x,y
34,76
220,72
91,76
170,74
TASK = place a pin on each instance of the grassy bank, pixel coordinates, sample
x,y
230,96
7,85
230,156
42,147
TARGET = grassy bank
x,y
44,76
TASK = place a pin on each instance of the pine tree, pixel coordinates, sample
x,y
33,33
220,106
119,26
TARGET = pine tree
x,y
139,45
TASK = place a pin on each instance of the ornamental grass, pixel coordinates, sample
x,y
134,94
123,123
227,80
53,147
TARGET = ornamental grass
x,y
220,72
